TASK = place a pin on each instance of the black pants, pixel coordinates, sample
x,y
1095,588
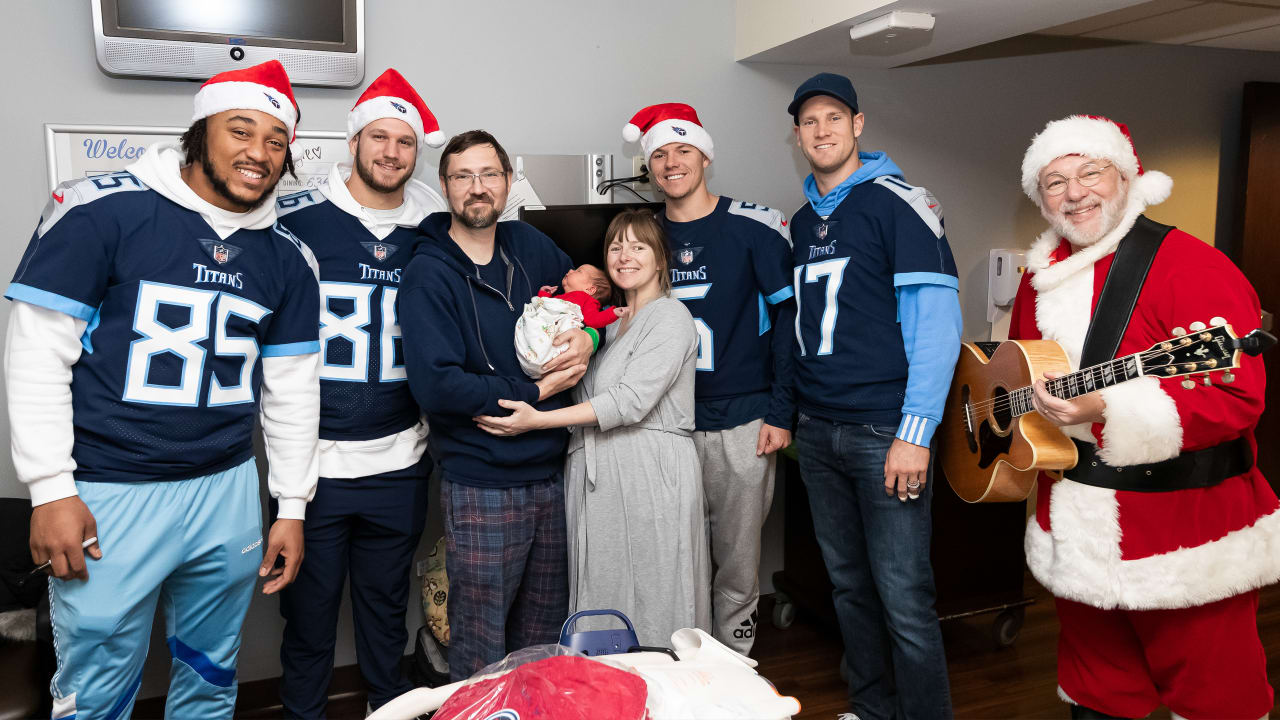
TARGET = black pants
x,y
366,528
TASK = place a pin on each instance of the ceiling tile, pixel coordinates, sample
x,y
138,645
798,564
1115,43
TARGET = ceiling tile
x,y
1262,39
1119,17
1202,22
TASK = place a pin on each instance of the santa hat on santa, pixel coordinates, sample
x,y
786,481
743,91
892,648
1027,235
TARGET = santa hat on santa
x,y
667,123
264,87
391,96
1095,137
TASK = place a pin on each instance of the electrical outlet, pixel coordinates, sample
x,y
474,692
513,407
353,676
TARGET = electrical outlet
x,y
637,165
599,169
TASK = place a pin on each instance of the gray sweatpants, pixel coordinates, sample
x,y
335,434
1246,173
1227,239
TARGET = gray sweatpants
x,y
739,489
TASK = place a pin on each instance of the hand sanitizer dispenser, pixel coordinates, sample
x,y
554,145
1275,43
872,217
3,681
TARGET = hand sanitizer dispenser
x,y
1004,273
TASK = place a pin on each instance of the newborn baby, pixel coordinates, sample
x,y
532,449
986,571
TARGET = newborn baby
x,y
548,315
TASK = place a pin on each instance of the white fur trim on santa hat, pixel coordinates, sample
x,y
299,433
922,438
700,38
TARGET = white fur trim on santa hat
x,y
386,106
1080,560
1141,424
1095,138
665,132
219,97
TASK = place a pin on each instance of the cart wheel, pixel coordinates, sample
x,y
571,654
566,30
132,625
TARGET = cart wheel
x,y
1007,625
784,611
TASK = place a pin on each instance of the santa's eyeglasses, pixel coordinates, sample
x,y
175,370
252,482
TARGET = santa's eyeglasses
x,y
1087,175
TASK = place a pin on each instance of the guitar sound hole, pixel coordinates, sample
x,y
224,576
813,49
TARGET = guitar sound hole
x,y
1001,413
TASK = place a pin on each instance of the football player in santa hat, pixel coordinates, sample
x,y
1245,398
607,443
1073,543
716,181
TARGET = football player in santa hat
x,y
156,311
1155,543
731,265
371,503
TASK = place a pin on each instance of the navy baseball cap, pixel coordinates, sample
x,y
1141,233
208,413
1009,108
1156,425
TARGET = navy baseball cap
x,y
837,86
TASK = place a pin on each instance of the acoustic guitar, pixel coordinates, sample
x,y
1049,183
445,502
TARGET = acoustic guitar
x,y
993,443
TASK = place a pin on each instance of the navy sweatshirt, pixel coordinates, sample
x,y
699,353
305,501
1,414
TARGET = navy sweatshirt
x,y
460,352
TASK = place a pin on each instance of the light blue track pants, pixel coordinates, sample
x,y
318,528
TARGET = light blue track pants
x,y
193,545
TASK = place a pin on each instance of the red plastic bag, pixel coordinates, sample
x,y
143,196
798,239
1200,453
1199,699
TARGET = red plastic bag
x,y
565,687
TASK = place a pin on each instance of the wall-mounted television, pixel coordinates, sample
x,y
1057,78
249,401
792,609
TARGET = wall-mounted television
x,y
319,42
579,229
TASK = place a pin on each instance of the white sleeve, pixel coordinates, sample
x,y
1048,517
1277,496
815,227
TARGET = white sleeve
x,y
39,350
291,430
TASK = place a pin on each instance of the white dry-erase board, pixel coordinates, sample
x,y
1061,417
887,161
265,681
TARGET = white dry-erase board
x,y
76,151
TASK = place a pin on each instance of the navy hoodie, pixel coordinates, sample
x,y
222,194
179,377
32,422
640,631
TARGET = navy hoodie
x,y
460,352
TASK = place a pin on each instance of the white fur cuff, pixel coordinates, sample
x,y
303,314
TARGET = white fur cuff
x,y
1142,424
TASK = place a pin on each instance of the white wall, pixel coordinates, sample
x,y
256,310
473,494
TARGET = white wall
x,y
564,77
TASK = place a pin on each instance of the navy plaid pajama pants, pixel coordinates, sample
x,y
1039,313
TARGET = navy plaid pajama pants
x,y
507,560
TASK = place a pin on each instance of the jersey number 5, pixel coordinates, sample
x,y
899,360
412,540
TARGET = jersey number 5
x,y
184,342
351,327
706,338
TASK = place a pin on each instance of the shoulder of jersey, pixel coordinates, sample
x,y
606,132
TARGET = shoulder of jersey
x,y
282,232
919,199
81,192
767,216
293,202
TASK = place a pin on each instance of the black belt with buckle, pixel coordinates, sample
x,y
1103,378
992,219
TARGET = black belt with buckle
x,y
1198,469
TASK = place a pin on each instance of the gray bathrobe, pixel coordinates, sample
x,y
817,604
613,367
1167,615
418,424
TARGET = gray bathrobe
x,y
633,486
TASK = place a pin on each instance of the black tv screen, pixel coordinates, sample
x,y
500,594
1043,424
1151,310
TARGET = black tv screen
x,y
579,229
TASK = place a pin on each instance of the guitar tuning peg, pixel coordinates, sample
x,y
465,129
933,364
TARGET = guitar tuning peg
x,y
1178,331
1228,377
1197,326
1218,321
1188,383
1208,382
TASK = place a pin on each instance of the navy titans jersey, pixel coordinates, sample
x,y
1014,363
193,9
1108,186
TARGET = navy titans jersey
x,y
850,361
363,390
729,267
167,385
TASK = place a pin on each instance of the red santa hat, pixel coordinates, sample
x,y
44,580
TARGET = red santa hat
x,y
659,125
1096,137
391,96
263,87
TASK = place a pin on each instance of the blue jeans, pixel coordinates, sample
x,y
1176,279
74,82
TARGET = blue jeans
x,y
876,549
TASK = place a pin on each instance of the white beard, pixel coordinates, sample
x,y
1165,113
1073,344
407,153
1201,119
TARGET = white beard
x,y
1112,211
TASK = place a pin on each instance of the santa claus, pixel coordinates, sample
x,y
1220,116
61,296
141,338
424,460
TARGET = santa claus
x,y
1154,569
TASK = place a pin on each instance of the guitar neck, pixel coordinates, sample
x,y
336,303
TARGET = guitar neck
x,y
1080,382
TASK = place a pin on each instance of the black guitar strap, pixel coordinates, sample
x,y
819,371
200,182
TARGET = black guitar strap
x,y
1120,291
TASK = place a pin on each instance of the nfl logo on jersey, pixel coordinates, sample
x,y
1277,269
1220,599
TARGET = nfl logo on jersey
x,y
822,231
220,254
686,257
380,252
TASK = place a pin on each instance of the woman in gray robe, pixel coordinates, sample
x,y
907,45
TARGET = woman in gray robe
x,y
633,485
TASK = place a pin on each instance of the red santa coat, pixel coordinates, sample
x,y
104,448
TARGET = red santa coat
x,y
1134,550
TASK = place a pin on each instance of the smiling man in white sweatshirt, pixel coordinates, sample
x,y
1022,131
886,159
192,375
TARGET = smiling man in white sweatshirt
x,y
155,310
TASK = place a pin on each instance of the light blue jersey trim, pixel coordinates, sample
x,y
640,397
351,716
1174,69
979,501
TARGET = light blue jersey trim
x,y
783,294
86,338
931,327
926,278
51,301
298,348
764,314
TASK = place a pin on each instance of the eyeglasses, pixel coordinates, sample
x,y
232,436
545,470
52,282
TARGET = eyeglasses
x,y
1087,175
489,179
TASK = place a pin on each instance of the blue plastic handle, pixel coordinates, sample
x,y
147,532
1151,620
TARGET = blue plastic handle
x,y
567,629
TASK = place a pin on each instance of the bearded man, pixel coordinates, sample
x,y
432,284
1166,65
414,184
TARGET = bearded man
x,y
1154,545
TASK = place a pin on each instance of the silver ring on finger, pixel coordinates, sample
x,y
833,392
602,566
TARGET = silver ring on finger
x,y
913,484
